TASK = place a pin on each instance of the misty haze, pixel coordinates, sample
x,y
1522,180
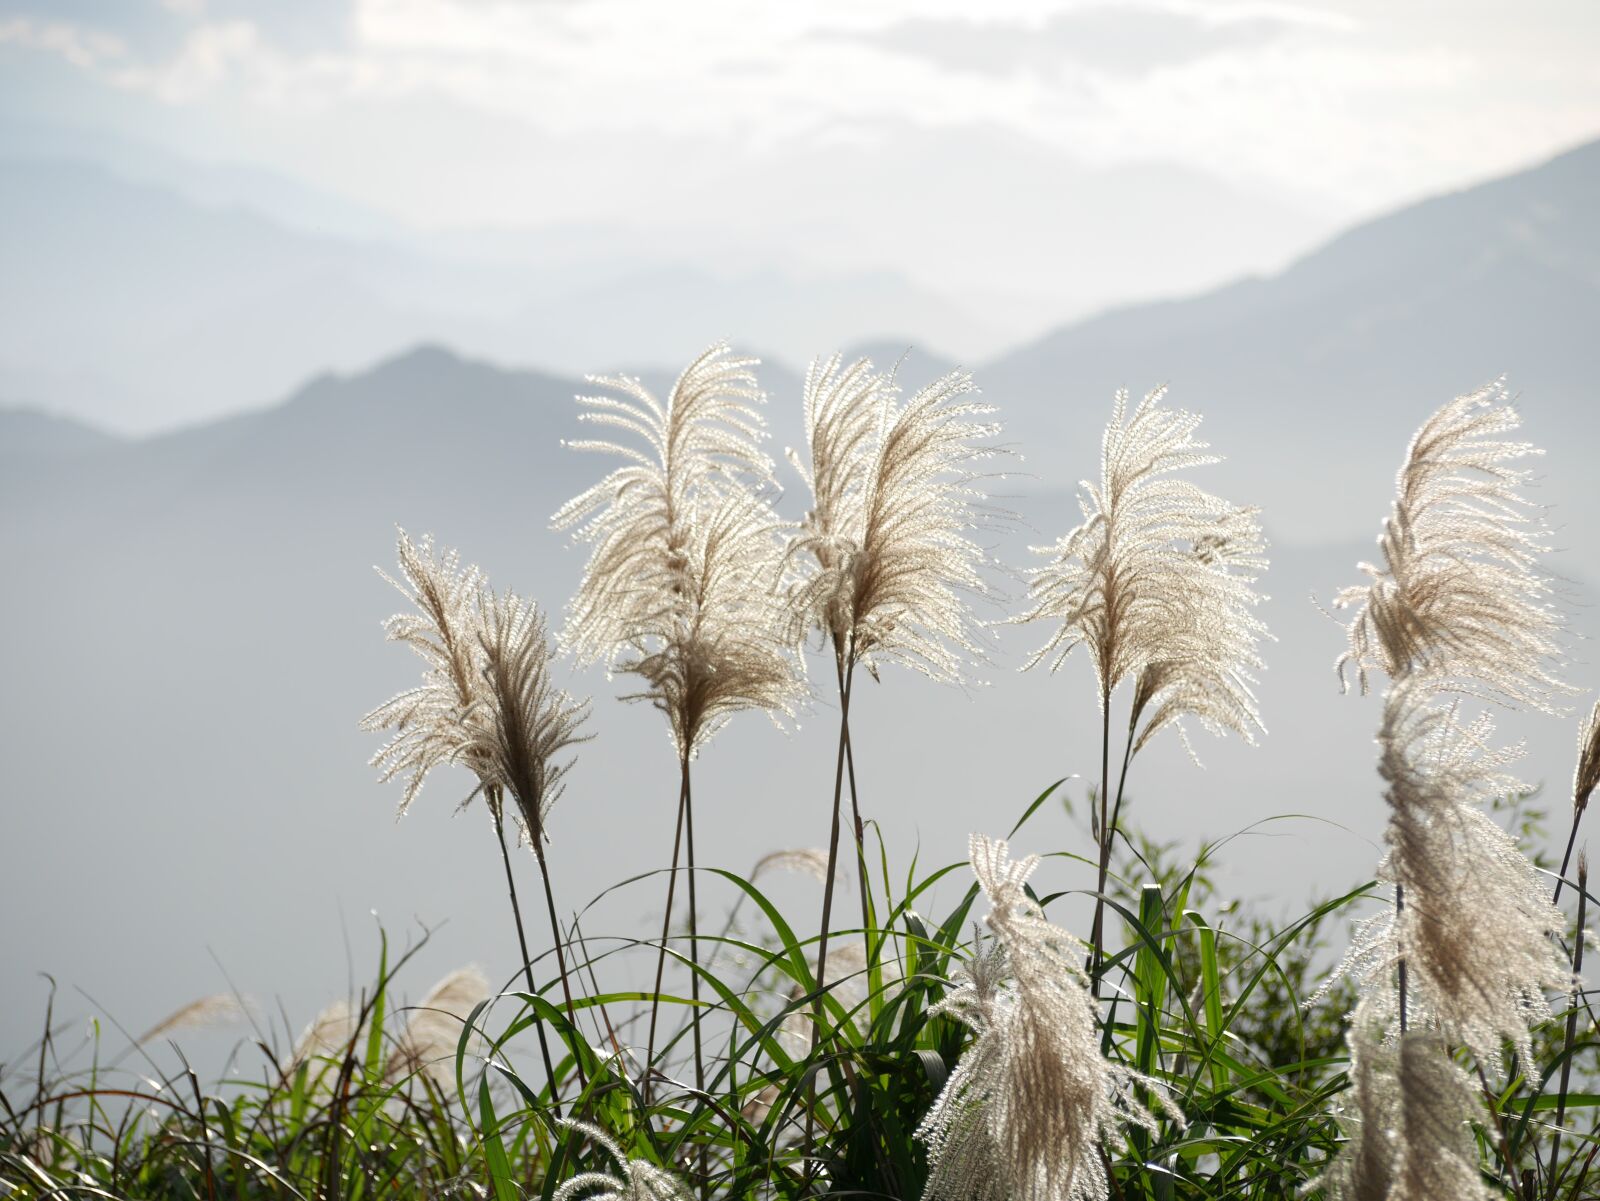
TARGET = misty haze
x,y
284,287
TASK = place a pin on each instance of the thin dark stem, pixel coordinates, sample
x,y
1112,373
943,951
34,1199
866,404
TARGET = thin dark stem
x,y
1399,908
1572,1019
666,927
1566,857
855,809
1104,841
694,934
527,960
827,887
833,835
1110,830
561,958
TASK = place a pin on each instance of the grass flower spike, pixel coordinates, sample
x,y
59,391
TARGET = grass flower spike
x,y
1458,596
640,1180
1028,1108
430,720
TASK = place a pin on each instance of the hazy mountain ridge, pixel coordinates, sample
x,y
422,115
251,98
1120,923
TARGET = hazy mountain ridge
x,y
200,631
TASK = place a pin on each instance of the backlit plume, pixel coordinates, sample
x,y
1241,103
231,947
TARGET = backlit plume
x,y
1032,1100
1475,930
429,720
640,1180
522,723
1458,596
1157,582
682,584
1408,1116
886,554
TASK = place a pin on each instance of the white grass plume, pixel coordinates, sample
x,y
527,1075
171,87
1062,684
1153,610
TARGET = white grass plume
x,y
640,1180
433,1028
1458,596
681,583
1586,776
206,1011
523,723
330,1034
888,559
1407,1119
1032,1100
1476,927
429,720
1157,582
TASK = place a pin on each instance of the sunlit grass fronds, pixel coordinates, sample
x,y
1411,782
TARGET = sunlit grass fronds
x,y
429,720
713,645
806,861
1476,925
1586,777
524,723
331,1033
703,441
891,562
433,1029
640,1180
1034,1099
1458,595
207,1011
1156,583
1408,1120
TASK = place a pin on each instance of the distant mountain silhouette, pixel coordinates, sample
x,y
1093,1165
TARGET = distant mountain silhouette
x,y
1304,376
193,626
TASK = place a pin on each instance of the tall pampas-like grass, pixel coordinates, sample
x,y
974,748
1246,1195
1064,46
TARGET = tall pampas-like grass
x,y
433,1029
886,557
681,587
1459,597
640,1180
1409,1112
1475,930
429,720
486,702
1585,779
1033,1102
1157,585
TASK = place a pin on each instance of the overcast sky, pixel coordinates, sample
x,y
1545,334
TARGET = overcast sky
x,y
464,111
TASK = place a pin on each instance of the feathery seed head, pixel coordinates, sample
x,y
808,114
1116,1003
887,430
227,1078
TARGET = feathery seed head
x,y
1587,776
1475,930
1408,1122
524,723
681,586
640,1180
1032,1099
886,548
1157,582
433,1030
1459,596
430,720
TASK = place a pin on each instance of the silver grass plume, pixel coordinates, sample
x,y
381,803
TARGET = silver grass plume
x,y
640,1180
681,584
1408,1115
1031,1102
207,1011
433,1029
522,723
889,557
1156,583
429,720
331,1033
1586,777
1458,596
1475,931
